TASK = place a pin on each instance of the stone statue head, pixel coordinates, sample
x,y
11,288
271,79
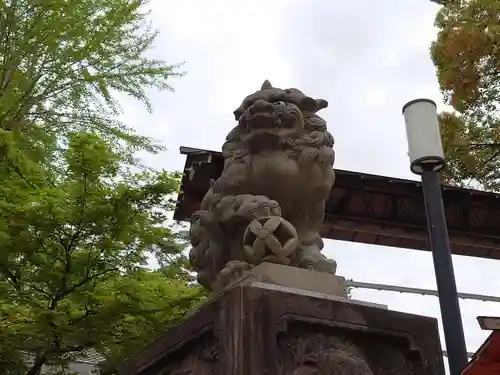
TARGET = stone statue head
x,y
272,114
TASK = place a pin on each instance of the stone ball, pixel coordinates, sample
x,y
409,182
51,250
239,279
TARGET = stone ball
x,y
271,239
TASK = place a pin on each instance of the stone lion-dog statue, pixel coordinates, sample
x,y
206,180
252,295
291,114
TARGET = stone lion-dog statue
x,y
268,205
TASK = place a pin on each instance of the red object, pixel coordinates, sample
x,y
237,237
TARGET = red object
x,y
486,361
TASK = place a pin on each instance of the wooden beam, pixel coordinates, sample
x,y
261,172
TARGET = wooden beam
x,y
373,209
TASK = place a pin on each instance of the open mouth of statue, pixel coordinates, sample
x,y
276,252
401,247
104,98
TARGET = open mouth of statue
x,y
263,120
264,132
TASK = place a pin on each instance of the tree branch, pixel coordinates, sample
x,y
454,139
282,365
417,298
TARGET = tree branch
x,y
11,277
82,282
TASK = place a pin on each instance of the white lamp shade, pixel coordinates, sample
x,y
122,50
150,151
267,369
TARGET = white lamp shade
x,y
424,138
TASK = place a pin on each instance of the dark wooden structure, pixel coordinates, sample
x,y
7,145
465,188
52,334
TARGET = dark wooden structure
x,y
373,209
253,330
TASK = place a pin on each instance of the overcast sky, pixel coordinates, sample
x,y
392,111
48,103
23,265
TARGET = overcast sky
x,y
367,58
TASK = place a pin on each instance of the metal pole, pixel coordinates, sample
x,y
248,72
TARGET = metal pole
x,y
443,268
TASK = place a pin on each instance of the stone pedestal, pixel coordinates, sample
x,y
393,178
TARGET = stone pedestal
x,y
299,279
257,328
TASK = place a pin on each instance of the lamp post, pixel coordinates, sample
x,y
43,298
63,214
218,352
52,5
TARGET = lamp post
x,y
427,160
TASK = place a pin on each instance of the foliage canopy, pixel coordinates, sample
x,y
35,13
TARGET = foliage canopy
x,y
466,54
72,256
78,219
63,63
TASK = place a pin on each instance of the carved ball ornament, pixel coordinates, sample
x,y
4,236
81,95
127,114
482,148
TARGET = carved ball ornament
x,y
270,239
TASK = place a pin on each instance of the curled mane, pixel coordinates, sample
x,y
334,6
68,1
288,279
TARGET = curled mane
x,y
314,134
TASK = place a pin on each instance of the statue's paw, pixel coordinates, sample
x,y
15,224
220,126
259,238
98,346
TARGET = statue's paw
x,y
247,206
253,206
319,264
233,272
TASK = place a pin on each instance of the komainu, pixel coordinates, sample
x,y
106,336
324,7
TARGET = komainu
x,y
269,202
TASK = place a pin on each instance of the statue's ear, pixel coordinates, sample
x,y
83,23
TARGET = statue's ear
x,y
320,104
308,104
266,85
237,113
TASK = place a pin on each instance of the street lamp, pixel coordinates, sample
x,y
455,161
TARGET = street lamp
x,y
427,160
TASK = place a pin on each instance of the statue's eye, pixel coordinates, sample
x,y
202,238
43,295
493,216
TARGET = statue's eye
x,y
280,103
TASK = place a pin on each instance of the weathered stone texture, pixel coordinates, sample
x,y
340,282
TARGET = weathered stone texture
x,y
255,330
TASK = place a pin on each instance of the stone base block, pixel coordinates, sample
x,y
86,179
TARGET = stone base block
x,y
298,278
261,329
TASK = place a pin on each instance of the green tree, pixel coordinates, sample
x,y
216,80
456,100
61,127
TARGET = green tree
x,y
63,63
76,221
73,250
466,54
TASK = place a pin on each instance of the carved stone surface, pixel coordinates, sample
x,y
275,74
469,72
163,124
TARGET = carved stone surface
x,y
308,349
251,330
269,202
199,359
304,352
